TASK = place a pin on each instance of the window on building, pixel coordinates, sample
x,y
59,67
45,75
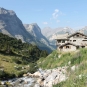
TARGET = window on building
x,y
61,47
74,40
83,46
84,40
67,47
59,41
77,47
63,41
77,35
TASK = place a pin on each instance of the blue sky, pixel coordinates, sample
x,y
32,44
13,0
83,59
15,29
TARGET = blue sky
x,y
50,13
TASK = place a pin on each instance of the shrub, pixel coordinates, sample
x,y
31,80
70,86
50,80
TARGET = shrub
x,y
33,67
5,75
18,61
20,74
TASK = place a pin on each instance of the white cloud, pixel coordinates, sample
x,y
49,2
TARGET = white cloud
x,y
45,23
56,10
58,21
55,14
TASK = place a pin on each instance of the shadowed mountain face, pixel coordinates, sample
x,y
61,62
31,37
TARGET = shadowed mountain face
x,y
11,25
35,31
40,40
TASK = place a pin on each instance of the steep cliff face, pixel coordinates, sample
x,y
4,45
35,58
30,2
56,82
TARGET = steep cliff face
x,y
35,31
40,40
11,25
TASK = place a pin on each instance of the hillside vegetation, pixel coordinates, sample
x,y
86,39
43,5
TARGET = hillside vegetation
x,y
76,77
17,58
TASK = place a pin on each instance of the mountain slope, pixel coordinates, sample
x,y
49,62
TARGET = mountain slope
x,y
14,55
47,31
40,40
84,30
35,31
11,25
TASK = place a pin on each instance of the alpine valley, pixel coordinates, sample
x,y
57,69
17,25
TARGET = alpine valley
x,y
11,25
25,60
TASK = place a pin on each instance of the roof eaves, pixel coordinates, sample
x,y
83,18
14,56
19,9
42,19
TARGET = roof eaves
x,y
68,43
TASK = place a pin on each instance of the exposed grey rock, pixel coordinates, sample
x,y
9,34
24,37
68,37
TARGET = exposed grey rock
x,y
35,31
41,78
50,77
11,25
84,30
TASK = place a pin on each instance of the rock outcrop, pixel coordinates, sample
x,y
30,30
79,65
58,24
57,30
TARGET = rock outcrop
x,y
40,39
41,78
50,77
11,25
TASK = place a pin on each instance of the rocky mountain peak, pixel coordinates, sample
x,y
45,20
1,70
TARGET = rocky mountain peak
x,y
11,25
35,26
4,11
66,28
34,29
84,27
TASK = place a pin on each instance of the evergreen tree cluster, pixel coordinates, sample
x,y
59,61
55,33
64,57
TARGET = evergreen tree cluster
x,y
12,46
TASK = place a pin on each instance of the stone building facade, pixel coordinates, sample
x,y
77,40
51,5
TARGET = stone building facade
x,y
71,42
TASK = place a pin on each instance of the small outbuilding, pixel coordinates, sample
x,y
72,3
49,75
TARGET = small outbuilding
x,y
68,47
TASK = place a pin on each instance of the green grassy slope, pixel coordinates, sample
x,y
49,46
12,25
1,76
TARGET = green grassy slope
x,y
17,58
55,59
9,66
77,78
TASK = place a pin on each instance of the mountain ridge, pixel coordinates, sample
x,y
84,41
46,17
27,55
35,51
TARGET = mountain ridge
x,y
35,31
11,25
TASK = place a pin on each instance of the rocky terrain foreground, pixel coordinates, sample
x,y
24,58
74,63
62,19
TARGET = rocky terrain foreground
x,y
41,78
47,78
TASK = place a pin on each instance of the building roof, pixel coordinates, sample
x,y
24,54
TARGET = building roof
x,y
76,33
68,44
67,36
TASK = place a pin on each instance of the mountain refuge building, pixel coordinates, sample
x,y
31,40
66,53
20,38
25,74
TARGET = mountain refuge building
x,y
66,42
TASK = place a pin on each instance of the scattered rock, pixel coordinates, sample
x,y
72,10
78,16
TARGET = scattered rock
x,y
69,62
73,68
59,56
42,78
